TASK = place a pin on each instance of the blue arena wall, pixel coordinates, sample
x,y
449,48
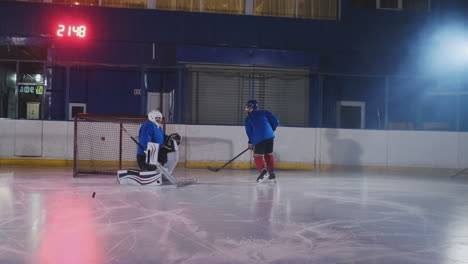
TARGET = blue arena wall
x,y
364,46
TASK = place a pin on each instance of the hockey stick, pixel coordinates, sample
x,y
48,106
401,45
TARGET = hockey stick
x,y
227,163
459,173
134,140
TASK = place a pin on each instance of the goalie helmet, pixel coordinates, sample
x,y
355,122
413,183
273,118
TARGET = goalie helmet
x,y
153,114
252,104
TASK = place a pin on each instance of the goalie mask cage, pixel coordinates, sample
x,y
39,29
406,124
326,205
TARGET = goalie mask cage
x,y
101,146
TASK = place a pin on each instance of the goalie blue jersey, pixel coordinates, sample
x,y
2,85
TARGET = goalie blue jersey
x,y
149,132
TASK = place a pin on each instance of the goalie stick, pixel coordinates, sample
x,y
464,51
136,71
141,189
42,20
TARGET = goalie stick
x,y
163,170
227,163
134,140
459,173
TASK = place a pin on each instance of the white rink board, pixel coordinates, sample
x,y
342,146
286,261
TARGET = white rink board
x,y
28,138
463,150
423,149
7,138
215,143
295,145
69,142
352,147
54,140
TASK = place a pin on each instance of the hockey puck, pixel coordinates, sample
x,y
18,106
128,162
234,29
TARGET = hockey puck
x,y
94,194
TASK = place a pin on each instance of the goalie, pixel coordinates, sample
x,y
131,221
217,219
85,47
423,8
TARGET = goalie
x,y
157,154
150,131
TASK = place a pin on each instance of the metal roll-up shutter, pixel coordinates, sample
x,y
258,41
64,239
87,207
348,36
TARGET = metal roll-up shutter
x,y
286,94
217,97
218,94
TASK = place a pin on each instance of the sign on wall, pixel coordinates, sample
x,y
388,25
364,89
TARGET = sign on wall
x,y
32,110
31,89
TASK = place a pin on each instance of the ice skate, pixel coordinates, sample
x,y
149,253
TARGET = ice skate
x,y
272,177
263,176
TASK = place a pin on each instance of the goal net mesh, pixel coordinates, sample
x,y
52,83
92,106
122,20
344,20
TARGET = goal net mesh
x,y
101,146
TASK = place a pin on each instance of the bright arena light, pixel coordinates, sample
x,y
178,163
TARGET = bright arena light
x,y
447,49
13,77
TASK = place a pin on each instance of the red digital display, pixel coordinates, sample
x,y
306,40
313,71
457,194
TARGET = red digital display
x,y
71,31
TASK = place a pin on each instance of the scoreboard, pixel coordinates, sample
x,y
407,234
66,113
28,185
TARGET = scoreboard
x,y
78,31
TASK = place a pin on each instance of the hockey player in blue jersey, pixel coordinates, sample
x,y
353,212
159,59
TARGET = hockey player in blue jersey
x,y
260,126
150,131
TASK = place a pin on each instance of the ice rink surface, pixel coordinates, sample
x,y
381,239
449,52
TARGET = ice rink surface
x,y
340,216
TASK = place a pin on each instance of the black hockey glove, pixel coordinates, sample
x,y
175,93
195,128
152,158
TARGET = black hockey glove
x,y
169,143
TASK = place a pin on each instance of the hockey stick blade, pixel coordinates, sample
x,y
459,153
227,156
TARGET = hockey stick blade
x,y
213,169
185,182
227,163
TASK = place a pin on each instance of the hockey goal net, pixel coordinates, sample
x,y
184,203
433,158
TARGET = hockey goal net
x,y
101,146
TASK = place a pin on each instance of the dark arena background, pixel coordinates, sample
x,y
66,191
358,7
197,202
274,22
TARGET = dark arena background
x,y
371,151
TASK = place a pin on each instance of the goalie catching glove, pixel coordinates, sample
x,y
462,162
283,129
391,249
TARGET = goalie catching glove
x,y
169,146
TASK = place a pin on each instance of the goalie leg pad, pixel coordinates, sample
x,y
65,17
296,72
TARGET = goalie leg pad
x,y
172,158
133,177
